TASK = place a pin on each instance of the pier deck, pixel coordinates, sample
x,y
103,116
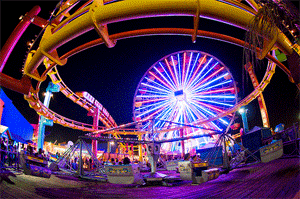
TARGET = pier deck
x,y
277,179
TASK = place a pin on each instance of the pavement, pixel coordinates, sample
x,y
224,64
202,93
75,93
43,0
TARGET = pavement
x,y
277,179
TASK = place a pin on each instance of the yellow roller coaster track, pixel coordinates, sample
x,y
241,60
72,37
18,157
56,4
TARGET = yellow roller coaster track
x,y
84,19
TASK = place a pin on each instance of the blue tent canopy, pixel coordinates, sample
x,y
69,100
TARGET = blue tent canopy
x,y
20,129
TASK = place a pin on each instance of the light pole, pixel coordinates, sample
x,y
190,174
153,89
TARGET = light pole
x,y
243,111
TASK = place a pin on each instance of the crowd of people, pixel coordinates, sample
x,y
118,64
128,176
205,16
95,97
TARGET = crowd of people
x,y
8,152
32,151
12,153
89,164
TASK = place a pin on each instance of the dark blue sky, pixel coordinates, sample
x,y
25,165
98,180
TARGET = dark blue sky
x,y
112,75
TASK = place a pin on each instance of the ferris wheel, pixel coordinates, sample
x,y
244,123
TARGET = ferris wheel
x,y
184,87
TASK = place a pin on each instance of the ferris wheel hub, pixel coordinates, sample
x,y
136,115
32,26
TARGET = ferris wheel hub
x,y
180,95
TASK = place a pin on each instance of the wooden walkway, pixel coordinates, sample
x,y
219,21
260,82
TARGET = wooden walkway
x,y
277,179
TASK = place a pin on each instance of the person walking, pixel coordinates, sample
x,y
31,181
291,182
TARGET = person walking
x,y
3,152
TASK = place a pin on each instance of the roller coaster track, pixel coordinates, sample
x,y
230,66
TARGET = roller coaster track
x,y
88,17
248,99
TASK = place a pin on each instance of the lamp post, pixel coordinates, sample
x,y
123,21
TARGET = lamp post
x,y
243,111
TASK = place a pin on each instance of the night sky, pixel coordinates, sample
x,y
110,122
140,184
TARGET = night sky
x,y
112,75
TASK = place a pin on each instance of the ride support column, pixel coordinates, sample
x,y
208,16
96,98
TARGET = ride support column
x,y
260,98
44,121
140,149
182,143
95,126
243,112
132,150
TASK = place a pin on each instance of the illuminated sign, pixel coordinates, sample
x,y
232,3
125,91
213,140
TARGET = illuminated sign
x,y
93,101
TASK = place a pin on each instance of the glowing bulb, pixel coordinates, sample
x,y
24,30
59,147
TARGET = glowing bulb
x,y
242,110
29,43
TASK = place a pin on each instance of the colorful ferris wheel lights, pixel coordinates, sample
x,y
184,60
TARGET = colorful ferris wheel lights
x,y
184,87
216,85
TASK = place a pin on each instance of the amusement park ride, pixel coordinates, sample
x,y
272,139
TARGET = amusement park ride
x,y
186,99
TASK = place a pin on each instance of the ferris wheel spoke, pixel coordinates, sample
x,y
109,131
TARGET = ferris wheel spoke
x,y
158,109
161,81
217,96
151,96
165,114
210,107
214,86
171,83
163,103
172,74
191,113
179,73
222,90
193,84
209,77
152,101
212,81
199,77
216,103
146,125
155,92
161,86
194,73
173,115
187,70
167,74
209,112
203,60
176,74
148,111
156,88
197,109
